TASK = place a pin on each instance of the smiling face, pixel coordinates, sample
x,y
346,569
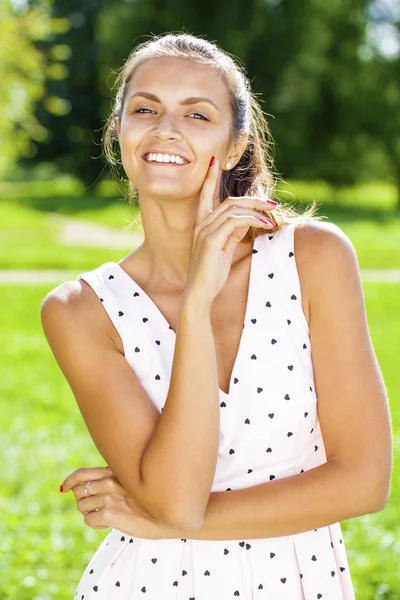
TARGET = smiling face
x,y
177,107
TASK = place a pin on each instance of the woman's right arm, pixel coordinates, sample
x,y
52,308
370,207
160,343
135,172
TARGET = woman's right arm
x,y
165,461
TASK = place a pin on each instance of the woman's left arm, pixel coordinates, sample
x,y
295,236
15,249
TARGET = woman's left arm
x,y
352,408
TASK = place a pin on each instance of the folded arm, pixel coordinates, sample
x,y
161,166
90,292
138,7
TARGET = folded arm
x,y
352,409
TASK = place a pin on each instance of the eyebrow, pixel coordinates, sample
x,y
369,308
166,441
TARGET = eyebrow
x,y
185,102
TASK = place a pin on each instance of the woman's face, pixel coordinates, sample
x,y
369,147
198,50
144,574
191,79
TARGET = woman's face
x,y
164,123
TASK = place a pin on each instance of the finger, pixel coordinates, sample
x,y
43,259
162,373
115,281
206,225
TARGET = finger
x,y
109,485
242,216
96,520
208,191
250,202
253,202
94,503
222,236
236,209
84,474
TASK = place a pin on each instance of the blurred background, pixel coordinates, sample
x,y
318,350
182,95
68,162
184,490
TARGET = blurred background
x,y
328,75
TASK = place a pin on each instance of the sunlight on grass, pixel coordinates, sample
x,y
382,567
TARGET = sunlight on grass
x,y
31,239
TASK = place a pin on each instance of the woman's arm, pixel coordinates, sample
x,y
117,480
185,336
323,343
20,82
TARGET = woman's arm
x,y
352,408
316,498
184,446
166,462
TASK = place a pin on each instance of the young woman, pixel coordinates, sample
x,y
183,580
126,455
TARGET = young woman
x,y
224,369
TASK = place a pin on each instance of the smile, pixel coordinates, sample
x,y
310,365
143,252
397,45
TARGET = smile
x,y
165,159
163,164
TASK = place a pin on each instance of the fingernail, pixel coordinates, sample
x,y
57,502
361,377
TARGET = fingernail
x,y
61,488
272,202
212,161
267,221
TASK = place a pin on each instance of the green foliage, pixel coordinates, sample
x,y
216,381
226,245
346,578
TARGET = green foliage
x,y
75,128
23,72
329,91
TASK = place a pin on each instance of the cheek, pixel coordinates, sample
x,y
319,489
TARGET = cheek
x,y
130,155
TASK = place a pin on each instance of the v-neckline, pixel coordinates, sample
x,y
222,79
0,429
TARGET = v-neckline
x,y
247,310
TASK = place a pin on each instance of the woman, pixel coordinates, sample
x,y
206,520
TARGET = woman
x,y
224,369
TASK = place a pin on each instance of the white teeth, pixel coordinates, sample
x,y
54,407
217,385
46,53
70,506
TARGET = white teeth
x,y
165,158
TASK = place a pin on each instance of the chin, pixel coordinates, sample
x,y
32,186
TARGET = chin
x,y
164,188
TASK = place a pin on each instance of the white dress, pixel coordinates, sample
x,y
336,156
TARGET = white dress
x,y
269,429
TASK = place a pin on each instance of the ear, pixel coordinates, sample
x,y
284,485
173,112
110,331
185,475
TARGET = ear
x,y
237,149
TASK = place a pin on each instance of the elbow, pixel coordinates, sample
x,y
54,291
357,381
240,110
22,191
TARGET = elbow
x,y
375,489
175,518
184,522
180,523
179,518
168,511
380,496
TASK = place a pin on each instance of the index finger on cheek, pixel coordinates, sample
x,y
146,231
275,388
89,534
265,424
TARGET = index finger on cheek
x,y
208,190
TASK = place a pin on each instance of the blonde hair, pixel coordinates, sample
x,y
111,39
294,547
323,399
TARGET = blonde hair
x,y
254,174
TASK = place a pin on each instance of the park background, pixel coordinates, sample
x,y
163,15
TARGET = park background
x,y
327,74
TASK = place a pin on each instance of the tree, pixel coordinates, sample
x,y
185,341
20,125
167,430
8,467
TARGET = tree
x,y
75,130
23,72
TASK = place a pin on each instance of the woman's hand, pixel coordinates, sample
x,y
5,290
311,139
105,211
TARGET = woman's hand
x,y
109,505
215,238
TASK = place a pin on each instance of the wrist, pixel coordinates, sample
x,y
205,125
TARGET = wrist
x,y
194,307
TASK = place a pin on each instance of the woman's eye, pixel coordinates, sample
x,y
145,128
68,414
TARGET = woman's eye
x,y
199,114
202,116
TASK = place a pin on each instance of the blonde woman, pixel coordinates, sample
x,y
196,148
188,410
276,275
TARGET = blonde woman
x,y
224,368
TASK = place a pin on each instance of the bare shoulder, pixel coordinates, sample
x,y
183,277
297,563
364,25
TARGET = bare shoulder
x,y
324,253
320,235
75,304
69,297
313,238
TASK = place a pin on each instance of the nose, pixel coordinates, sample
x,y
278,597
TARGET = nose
x,y
166,129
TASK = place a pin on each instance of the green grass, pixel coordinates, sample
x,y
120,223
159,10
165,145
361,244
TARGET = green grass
x,y
29,238
45,545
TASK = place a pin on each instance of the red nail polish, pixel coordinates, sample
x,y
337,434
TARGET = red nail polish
x,y
272,202
212,161
61,488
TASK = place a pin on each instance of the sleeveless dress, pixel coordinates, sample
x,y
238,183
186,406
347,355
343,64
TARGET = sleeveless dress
x,y
269,429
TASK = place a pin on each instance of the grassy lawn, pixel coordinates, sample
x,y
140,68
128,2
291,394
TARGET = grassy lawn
x,y
44,541
29,237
